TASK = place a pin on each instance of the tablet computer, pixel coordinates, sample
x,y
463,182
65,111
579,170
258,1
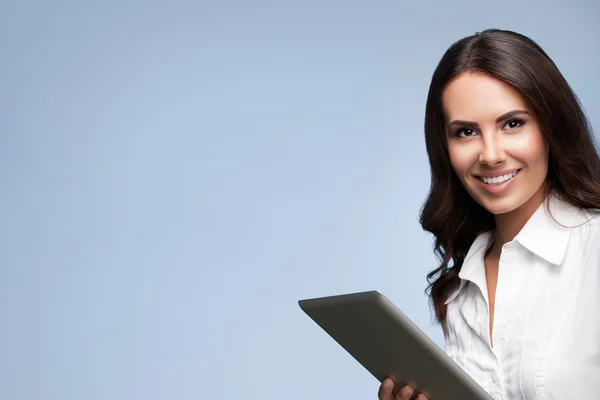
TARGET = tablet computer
x,y
388,344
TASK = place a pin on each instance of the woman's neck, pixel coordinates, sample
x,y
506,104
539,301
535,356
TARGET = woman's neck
x,y
510,224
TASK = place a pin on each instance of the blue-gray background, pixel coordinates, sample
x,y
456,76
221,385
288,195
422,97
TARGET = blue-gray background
x,y
175,175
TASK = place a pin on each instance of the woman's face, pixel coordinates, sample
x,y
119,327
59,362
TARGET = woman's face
x,y
495,143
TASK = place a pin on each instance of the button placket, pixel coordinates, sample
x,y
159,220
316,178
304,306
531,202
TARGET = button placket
x,y
507,287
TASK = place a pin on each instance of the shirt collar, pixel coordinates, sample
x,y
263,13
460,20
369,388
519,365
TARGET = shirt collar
x,y
471,268
546,234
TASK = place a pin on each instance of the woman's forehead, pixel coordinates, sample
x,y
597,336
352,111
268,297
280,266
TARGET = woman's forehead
x,y
480,97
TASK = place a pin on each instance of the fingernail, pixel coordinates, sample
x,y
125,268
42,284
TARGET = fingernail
x,y
388,383
406,391
421,397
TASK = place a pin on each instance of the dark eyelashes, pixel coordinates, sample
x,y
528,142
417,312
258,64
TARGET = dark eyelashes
x,y
458,131
521,122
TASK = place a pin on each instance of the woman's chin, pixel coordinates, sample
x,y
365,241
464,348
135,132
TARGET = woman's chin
x,y
498,206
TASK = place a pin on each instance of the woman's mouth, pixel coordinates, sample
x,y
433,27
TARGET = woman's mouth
x,y
497,185
498,180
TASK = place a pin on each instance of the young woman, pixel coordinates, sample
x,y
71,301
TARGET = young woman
x,y
513,207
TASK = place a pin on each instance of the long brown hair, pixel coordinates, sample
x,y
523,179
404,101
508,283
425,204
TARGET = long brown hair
x,y
449,212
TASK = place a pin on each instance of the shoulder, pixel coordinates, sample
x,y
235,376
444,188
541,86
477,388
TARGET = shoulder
x,y
591,215
574,218
588,221
586,231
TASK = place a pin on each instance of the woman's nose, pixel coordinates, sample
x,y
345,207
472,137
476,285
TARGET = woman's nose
x,y
492,152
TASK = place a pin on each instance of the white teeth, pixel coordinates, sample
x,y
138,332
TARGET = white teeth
x,y
499,179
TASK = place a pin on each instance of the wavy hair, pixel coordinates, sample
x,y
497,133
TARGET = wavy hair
x,y
449,212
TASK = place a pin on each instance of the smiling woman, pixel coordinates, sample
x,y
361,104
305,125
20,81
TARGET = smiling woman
x,y
500,147
514,197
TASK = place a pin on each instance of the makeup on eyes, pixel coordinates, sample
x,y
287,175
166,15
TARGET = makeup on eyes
x,y
471,128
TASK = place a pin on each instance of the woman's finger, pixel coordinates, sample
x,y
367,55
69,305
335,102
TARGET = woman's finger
x,y
386,389
405,393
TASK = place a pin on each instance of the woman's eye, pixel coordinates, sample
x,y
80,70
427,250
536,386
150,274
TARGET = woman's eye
x,y
465,133
513,124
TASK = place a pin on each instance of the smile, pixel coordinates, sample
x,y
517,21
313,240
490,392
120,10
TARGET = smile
x,y
499,184
500,179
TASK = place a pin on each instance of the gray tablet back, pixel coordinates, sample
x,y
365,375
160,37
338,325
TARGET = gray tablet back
x,y
388,344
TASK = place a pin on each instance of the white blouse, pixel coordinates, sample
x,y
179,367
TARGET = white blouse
x,y
546,330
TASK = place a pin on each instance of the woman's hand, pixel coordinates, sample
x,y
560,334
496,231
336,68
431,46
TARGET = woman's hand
x,y
405,393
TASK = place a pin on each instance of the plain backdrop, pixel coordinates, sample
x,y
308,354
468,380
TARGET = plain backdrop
x,y
176,175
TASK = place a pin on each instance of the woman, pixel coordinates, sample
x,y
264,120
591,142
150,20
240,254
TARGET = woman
x,y
514,197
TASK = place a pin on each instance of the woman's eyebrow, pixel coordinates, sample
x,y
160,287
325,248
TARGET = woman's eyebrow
x,y
510,114
501,118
